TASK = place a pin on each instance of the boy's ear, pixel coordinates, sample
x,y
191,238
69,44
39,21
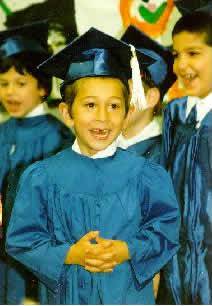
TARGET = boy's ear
x,y
153,96
64,112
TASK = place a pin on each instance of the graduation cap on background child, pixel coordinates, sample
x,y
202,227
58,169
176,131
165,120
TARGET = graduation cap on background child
x,y
96,54
206,8
27,38
161,71
188,6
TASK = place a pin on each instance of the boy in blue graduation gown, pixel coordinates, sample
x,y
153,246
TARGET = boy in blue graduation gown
x,y
101,223
188,157
142,130
29,135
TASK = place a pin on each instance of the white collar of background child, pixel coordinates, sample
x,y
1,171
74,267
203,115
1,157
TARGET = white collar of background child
x,y
154,128
109,151
40,109
203,106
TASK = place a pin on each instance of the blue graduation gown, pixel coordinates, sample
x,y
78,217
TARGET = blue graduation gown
x,y
22,142
63,197
187,154
149,148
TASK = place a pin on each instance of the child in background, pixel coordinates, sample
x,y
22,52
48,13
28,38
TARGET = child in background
x,y
143,129
94,223
188,157
29,135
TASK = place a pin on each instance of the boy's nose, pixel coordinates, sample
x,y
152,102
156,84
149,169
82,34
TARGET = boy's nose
x,y
10,89
102,114
181,63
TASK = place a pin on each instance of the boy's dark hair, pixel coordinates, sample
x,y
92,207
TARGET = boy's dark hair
x,y
70,91
27,63
195,22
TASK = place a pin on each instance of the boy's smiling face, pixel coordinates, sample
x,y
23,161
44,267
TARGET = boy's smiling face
x,y
97,113
19,93
193,63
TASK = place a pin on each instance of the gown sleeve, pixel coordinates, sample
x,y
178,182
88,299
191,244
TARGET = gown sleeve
x,y
156,239
28,238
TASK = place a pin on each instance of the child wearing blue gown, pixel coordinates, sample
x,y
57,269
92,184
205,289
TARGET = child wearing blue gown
x,y
29,135
142,131
94,222
188,157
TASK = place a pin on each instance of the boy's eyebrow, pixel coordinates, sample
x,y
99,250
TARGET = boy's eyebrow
x,y
189,48
114,97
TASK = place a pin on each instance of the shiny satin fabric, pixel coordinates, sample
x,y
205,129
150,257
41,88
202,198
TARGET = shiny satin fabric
x,y
149,148
22,142
95,62
16,45
67,196
187,154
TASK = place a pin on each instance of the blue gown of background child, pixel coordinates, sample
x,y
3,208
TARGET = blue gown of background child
x,y
149,148
187,156
24,141
100,196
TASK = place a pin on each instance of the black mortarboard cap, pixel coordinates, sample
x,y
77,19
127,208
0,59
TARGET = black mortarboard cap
x,y
188,6
161,71
206,8
27,38
93,54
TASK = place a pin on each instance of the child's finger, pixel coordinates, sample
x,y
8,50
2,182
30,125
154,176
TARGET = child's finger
x,y
90,235
105,242
107,257
107,270
92,269
93,262
107,266
97,270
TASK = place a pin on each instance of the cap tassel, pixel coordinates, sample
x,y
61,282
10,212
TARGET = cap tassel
x,y
138,96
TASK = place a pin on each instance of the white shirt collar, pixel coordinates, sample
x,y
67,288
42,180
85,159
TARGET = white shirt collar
x,y
109,151
40,109
203,106
154,128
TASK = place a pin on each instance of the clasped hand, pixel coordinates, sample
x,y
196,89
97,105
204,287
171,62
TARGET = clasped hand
x,y
101,256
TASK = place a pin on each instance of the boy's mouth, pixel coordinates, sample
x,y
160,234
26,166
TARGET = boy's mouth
x,y
12,104
187,79
100,134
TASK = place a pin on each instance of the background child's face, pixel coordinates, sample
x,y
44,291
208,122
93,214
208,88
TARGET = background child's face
x,y
97,113
193,63
19,93
152,96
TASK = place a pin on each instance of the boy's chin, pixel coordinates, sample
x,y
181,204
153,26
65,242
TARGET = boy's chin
x,y
16,115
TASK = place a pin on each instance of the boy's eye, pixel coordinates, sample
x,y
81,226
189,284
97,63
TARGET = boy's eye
x,y
21,83
193,53
90,105
3,84
114,105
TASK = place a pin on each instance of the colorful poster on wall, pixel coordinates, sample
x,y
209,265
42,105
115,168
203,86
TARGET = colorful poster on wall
x,y
154,17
